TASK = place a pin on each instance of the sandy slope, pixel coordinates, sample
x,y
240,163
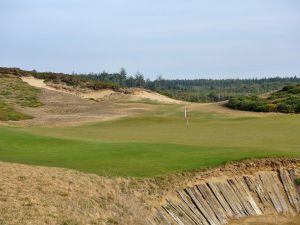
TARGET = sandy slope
x,y
67,109
39,83
146,94
134,94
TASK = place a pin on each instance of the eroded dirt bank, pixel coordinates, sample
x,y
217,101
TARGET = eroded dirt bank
x,y
251,191
41,195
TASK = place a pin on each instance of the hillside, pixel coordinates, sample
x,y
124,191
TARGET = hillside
x,y
60,97
58,78
286,100
15,93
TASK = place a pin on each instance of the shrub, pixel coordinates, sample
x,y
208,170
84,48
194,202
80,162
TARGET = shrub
x,y
286,100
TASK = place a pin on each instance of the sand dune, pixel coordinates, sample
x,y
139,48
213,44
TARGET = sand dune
x,y
132,94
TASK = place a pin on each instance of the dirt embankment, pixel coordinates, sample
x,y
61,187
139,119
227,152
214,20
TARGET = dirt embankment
x,y
239,193
41,195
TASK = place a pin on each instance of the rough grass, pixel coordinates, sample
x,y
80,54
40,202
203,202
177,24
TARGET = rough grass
x,y
14,92
153,145
9,113
52,196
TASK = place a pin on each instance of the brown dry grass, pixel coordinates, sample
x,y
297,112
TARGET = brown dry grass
x,y
66,109
31,195
269,220
63,105
40,195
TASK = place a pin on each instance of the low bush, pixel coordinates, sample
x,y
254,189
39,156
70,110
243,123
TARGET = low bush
x,y
287,100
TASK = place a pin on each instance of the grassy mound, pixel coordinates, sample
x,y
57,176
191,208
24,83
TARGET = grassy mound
x,y
14,92
287,100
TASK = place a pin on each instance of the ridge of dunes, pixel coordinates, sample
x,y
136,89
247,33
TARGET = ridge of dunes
x,y
133,94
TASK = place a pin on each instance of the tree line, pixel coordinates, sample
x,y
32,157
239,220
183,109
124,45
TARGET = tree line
x,y
196,90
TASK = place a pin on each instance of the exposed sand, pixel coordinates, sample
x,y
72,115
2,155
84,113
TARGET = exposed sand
x,y
134,94
39,83
145,94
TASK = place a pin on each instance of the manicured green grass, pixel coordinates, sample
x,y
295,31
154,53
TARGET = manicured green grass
x,y
274,132
155,144
118,159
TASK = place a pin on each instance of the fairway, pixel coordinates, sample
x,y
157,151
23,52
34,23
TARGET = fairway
x,y
154,144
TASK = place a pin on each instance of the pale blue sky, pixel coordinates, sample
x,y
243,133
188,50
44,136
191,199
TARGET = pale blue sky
x,y
174,38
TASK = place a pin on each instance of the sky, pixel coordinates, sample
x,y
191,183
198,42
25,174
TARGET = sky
x,y
183,39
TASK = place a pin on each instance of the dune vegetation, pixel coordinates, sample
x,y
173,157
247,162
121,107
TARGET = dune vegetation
x,y
287,100
14,92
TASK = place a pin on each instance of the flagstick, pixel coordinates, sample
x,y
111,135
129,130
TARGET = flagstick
x,y
186,117
187,123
